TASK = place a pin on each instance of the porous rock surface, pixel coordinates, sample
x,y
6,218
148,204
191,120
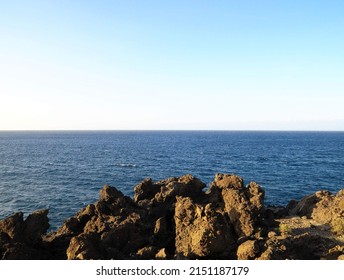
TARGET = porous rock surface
x,y
176,219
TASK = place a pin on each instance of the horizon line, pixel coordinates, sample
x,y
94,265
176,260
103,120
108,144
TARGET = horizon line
x,y
167,130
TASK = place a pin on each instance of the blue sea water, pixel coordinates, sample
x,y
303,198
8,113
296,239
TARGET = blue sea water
x,y
63,171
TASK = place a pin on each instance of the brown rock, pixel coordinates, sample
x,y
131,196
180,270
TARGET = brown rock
x,y
174,218
244,206
109,194
201,232
273,249
222,181
128,237
146,190
161,255
186,186
256,196
147,253
308,247
13,226
323,207
36,224
83,247
160,227
248,250
21,251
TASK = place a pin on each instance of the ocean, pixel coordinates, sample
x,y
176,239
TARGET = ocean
x,y
64,171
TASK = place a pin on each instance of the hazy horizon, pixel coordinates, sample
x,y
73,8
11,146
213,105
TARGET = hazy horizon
x,y
179,65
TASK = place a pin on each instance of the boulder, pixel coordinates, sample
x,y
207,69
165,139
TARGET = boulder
x,y
13,226
201,231
248,250
175,219
109,194
36,225
273,250
84,247
324,207
146,190
243,205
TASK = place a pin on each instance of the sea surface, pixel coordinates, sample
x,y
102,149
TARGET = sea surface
x,y
64,171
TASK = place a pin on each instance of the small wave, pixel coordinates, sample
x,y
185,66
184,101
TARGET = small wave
x,y
126,165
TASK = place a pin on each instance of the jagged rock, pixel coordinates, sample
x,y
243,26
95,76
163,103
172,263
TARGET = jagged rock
x,y
273,249
244,206
13,226
186,186
161,255
201,231
147,253
21,251
146,190
126,237
256,196
36,224
160,228
175,219
308,247
223,181
84,247
166,190
324,207
248,250
76,224
109,194
112,211
316,206
334,253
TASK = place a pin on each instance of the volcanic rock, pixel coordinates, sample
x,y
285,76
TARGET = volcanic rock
x,y
175,219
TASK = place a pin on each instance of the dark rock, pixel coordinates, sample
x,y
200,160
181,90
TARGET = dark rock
x,y
147,253
20,251
13,226
163,233
36,224
334,253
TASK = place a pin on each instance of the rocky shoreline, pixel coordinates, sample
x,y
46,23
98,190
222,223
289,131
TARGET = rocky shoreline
x,y
176,219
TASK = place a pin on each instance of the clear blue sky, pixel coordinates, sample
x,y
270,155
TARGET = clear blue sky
x,y
172,65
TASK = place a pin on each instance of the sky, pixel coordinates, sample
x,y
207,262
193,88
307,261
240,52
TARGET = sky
x,y
146,65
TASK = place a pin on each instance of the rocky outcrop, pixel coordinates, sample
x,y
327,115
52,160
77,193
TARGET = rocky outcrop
x,y
243,205
22,239
202,231
176,219
324,208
